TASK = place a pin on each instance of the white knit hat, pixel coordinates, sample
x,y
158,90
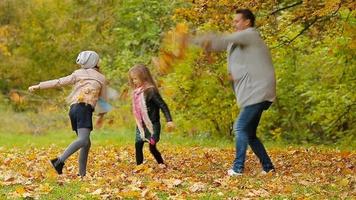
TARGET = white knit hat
x,y
88,59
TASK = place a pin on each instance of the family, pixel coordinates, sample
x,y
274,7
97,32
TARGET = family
x,y
251,73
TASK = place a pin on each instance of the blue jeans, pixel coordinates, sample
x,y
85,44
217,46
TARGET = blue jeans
x,y
245,128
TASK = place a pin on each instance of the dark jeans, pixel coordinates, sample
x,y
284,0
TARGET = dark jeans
x,y
153,149
245,128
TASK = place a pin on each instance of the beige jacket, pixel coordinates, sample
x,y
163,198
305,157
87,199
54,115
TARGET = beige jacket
x,y
89,85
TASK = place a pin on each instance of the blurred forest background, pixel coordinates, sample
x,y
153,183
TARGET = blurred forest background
x,y
312,44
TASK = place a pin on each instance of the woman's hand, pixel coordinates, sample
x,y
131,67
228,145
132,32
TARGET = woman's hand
x,y
170,126
33,88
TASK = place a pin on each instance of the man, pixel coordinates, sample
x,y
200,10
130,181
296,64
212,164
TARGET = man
x,y
252,73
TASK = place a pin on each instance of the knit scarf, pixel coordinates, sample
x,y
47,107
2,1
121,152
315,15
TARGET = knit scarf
x,y
140,112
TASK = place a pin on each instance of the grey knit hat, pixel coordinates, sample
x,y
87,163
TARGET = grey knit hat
x,y
88,59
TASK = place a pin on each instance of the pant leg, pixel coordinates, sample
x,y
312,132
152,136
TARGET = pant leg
x,y
241,142
260,151
139,152
256,145
156,154
84,152
82,140
245,130
157,131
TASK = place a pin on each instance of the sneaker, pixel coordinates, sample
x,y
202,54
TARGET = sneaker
x,y
57,165
162,166
231,172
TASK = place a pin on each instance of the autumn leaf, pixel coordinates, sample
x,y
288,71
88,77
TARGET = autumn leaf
x,y
172,49
197,187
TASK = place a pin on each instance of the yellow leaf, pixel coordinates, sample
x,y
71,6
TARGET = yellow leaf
x,y
20,190
16,97
45,188
130,194
182,28
344,182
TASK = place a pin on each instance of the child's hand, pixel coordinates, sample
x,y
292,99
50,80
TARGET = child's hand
x,y
170,126
99,121
33,88
152,141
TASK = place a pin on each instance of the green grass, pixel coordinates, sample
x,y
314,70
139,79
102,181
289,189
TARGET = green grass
x,y
122,137
67,191
105,137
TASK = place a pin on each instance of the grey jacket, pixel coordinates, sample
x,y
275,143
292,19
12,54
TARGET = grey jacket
x,y
249,63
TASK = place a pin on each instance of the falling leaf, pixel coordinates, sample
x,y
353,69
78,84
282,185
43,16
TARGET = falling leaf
x,y
172,49
16,97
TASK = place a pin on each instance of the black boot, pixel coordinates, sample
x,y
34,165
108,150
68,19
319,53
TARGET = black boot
x,y
57,165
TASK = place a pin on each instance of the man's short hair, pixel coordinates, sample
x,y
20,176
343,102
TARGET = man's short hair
x,y
247,14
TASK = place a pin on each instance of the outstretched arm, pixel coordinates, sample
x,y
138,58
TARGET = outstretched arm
x,y
54,83
219,42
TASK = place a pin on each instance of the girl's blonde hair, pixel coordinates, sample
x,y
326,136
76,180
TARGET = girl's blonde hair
x,y
143,74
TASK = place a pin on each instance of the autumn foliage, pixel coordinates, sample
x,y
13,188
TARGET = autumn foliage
x,y
193,172
311,43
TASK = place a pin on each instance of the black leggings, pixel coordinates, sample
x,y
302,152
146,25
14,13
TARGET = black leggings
x,y
153,150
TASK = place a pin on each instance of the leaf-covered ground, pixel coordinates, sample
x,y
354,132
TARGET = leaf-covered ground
x,y
192,173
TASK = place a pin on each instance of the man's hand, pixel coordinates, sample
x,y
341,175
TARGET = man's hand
x,y
33,88
230,78
206,45
203,41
